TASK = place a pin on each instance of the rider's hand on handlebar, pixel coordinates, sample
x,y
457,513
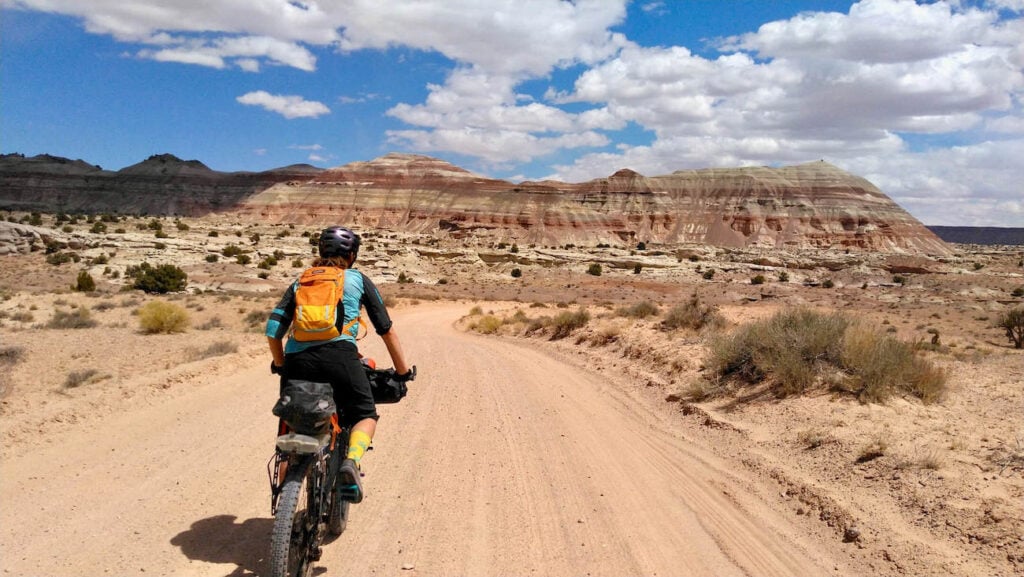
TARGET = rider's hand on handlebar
x,y
409,376
276,370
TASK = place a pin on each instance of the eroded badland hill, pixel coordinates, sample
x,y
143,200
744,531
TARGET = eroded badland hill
x,y
893,487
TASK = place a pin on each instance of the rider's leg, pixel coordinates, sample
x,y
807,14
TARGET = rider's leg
x,y
360,438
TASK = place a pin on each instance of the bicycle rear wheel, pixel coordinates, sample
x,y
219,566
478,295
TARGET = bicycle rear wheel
x,y
294,527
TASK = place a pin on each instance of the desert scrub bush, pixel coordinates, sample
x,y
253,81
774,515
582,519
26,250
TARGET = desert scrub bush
x,y
708,274
757,279
78,318
487,325
78,378
565,322
476,311
211,323
231,250
798,348
783,276
594,269
297,263
1012,321
212,258
217,349
255,319
516,273
640,310
160,279
84,283
787,347
160,317
692,314
243,259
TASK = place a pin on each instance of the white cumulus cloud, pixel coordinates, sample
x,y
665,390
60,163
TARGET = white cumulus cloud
x,y
285,105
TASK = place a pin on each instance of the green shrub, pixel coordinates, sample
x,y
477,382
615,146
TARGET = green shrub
x,y
709,274
98,228
243,259
783,276
692,315
181,226
640,310
297,263
828,283
899,279
78,318
212,258
758,279
162,317
231,250
1012,321
161,279
59,258
84,283
516,273
476,311
403,279
213,234
594,269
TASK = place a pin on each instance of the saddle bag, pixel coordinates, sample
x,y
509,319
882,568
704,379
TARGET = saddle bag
x,y
306,407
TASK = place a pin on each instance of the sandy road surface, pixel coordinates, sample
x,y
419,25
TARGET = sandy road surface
x,y
504,460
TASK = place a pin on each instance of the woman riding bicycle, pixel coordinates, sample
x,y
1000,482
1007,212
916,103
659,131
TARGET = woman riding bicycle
x,y
336,360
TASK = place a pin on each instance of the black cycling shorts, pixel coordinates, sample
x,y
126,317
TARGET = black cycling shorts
x,y
336,363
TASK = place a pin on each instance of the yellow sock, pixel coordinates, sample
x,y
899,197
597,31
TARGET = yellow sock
x,y
358,442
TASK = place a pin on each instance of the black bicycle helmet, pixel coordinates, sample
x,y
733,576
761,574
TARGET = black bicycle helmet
x,y
338,241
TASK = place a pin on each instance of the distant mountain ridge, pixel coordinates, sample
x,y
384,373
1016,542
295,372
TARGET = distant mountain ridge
x,y
988,235
811,205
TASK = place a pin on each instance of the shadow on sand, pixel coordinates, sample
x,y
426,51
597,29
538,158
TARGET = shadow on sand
x,y
221,540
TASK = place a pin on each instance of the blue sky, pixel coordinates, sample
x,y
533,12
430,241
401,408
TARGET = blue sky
x,y
926,100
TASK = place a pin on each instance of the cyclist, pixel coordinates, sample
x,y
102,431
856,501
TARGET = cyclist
x,y
337,360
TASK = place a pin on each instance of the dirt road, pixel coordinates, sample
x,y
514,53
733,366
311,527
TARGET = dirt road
x,y
504,460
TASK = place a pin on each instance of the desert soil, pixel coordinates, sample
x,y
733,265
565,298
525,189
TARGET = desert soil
x,y
504,460
512,455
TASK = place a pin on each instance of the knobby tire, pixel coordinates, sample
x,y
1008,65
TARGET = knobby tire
x,y
289,541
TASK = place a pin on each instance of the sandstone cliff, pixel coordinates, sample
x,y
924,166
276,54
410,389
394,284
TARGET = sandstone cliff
x,y
813,205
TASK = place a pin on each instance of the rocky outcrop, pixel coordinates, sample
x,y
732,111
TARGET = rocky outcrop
x,y
23,238
813,205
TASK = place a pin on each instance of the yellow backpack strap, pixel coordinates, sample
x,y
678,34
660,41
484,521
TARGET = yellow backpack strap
x,y
356,322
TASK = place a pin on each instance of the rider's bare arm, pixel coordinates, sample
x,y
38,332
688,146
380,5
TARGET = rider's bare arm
x,y
277,350
391,341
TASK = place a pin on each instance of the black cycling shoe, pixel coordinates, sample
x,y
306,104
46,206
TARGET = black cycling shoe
x,y
350,483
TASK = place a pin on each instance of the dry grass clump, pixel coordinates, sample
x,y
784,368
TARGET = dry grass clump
x,y
799,348
565,322
487,324
217,349
162,317
78,318
78,378
692,315
640,310
876,447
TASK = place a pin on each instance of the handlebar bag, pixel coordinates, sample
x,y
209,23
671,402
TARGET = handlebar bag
x,y
306,406
385,389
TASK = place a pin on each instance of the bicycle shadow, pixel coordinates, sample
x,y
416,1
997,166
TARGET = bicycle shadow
x,y
220,539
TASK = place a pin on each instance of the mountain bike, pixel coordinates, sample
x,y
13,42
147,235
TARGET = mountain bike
x,y
306,499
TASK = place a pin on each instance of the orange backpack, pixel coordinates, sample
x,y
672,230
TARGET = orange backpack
x,y
318,294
